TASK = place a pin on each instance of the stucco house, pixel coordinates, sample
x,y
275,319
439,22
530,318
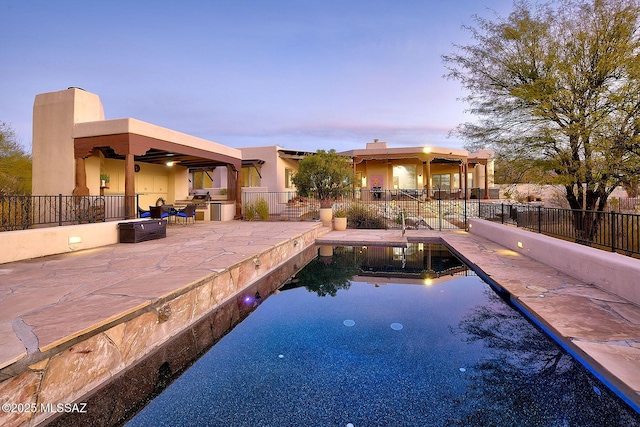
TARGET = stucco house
x,y
269,168
74,146
422,172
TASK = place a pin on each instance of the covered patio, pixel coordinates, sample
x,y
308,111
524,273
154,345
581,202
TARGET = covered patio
x,y
422,172
133,143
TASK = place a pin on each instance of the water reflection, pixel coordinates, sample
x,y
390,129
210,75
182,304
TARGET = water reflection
x,y
528,376
418,263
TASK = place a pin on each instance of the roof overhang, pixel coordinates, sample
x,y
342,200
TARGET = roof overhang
x,y
151,144
293,155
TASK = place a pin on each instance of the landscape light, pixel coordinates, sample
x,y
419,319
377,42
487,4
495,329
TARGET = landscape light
x,y
74,242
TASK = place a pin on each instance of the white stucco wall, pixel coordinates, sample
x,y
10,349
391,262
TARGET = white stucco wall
x,y
611,272
54,117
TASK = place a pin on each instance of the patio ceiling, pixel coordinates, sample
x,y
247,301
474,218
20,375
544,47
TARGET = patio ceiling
x,y
161,157
151,150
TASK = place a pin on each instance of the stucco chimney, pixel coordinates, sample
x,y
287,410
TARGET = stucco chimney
x,y
376,145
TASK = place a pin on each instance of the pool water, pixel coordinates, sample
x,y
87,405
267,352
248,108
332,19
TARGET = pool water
x,y
445,352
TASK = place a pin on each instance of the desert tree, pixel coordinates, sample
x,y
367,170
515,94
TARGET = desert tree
x,y
558,84
15,164
326,175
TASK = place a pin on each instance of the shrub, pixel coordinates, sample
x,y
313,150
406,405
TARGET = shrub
x,y
359,216
262,208
250,211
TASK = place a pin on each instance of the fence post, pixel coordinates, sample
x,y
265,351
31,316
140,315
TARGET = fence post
x,y
539,219
613,231
440,214
466,217
60,209
502,213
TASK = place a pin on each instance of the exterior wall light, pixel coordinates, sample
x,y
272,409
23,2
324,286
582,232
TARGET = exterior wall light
x,y
74,242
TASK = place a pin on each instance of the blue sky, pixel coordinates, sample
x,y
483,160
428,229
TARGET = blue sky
x,y
300,74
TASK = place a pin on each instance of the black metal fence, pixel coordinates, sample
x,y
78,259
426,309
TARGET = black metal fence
x,y
23,212
618,232
364,209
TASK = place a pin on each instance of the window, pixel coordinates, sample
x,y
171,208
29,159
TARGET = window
x,y
249,177
288,175
442,181
198,180
404,176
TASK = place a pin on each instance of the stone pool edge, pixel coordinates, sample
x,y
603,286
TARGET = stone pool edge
x,y
75,368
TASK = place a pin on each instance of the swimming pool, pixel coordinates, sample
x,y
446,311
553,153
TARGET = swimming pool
x,y
386,337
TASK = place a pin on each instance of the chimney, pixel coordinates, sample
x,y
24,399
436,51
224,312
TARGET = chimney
x,y
376,145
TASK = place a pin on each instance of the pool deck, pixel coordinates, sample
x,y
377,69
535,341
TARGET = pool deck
x,y
45,301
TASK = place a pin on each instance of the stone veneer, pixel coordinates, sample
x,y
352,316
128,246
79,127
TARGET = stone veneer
x,y
117,365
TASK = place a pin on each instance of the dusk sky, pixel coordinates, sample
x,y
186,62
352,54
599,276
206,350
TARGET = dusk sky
x,y
300,74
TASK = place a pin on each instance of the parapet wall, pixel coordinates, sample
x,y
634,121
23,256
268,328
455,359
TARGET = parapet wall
x,y
56,240
614,273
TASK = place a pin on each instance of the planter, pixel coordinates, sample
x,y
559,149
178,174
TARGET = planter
x,y
340,224
325,215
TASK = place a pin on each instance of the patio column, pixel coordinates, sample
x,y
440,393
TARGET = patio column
x,y
129,187
81,188
428,178
486,181
461,176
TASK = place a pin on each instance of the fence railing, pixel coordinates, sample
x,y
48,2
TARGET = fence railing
x,y
23,212
364,208
618,232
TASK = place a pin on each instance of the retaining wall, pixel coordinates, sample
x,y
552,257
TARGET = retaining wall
x,y
612,272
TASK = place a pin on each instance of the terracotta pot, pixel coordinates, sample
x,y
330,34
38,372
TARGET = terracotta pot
x,y
325,216
340,224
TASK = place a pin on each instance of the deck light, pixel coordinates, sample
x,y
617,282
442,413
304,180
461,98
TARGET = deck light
x,y
520,245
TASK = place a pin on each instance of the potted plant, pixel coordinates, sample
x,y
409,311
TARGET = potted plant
x,y
104,180
325,175
340,220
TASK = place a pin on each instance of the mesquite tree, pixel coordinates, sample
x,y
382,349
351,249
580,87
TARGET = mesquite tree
x,y
559,84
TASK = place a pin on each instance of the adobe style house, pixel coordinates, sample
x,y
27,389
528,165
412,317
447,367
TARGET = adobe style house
x,y
422,172
74,147
269,168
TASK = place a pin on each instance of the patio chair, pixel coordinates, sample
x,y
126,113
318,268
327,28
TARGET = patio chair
x,y
189,212
143,214
156,212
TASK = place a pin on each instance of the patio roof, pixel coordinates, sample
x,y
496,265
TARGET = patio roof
x,y
151,144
